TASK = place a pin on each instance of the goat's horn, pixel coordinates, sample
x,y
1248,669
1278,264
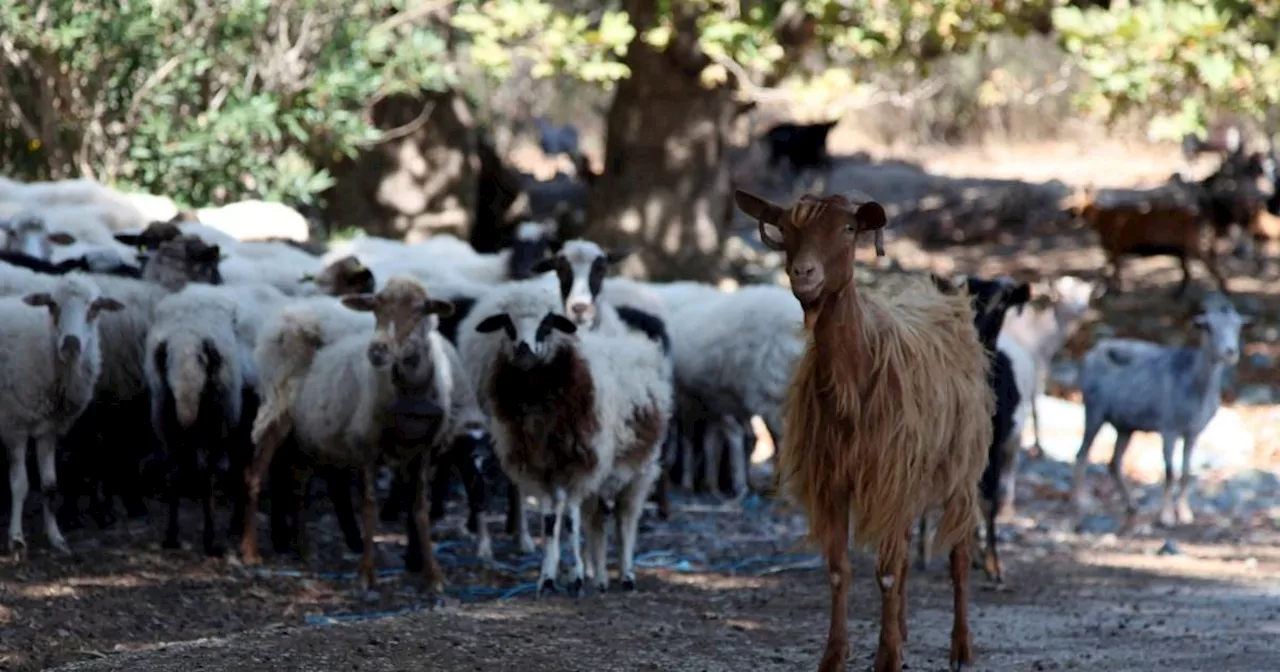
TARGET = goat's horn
x,y
880,242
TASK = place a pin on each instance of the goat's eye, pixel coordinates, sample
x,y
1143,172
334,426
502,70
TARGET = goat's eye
x,y
850,228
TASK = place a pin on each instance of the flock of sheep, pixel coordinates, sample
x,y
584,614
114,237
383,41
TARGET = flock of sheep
x,y
172,356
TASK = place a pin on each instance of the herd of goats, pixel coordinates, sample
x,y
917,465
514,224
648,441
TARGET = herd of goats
x,y
173,358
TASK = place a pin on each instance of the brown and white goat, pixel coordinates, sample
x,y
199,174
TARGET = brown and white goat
x,y
888,415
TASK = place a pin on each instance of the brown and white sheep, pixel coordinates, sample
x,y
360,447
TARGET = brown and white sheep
x,y
887,416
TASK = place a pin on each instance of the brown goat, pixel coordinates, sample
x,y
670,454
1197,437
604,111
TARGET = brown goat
x,y
1147,230
888,415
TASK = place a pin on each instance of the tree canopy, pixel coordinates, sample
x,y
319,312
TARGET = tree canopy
x,y
214,101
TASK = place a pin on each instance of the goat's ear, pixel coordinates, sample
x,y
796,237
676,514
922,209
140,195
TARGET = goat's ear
x,y
944,285
548,264
107,304
562,323
38,299
616,256
1020,294
871,216
1099,290
766,213
61,238
364,303
493,323
437,307
130,239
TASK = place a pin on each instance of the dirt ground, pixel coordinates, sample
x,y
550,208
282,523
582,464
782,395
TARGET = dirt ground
x,y
729,586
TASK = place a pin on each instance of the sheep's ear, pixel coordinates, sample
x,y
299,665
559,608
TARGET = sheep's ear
x,y
494,323
616,256
38,299
364,303
61,238
363,276
307,277
441,308
548,264
107,304
562,323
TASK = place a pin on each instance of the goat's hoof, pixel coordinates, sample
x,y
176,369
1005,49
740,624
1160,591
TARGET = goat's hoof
x,y
833,660
170,543
959,667
602,588
1167,519
17,548
628,584
574,588
1184,514
546,586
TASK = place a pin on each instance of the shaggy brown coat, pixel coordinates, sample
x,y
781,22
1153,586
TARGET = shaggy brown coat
x,y
888,414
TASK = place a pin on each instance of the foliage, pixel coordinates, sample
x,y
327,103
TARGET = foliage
x,y
1182,58
205,101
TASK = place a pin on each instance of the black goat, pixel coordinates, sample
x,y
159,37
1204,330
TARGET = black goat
x,y
804,146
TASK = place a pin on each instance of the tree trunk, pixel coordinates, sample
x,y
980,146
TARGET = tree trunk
x,y
664,193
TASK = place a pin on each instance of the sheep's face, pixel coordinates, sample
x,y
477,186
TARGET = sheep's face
x,y
342,277
531,338
1222,327
818,237
581,267
30,237
74,307
404,314
181,260
530,244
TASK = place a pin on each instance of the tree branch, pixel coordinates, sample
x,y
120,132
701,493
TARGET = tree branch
x,y
401,131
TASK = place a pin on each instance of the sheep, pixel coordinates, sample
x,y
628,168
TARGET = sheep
x,y
331,391
1141,386
254,219
1031,338
345,275
992,300
30,236
1147,229
196,385
802,145
577,417
53,363
888,414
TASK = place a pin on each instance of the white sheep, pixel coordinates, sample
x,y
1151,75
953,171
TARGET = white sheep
x,y
52,361
332,391
577,417
256,220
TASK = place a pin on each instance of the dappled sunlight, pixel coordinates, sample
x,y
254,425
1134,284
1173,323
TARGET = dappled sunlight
x,y
716,582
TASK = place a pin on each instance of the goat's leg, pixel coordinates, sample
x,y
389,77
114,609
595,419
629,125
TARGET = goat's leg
x,y
1117,475
902,586
551,546
1008,477
1167,518
47,455
16,442
991,557
597,542
432,575
1185,264
961,642
574,578
840,572
368,577
890,567
1183,506
1211,264
1092,425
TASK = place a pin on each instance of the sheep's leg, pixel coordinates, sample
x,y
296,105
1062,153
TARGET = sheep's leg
x,y
368,578
739,448
1092,425
17,444
432,575
597,542
206,471
1183,506
1117,475
840,572
477,504
630,503
174,462
922,545
338,482
961,643
574,579
551,547
253,489
515,507
890,568
689,439
713,441
1167,518
46,455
